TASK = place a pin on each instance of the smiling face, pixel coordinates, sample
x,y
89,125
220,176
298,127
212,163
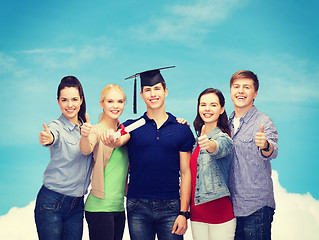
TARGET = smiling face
x,y
113,103
210,109
70,103
154,97
243,94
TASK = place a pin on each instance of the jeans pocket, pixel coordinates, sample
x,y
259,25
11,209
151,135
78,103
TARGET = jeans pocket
x,y
174,205
131,204
47,204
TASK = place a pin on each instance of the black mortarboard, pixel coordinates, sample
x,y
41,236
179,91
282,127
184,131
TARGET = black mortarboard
x,y
148,78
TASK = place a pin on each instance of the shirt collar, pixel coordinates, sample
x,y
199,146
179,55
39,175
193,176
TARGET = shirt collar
x,y
170,119
247,116
66,122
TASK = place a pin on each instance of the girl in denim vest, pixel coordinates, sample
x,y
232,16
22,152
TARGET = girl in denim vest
x,y
212,214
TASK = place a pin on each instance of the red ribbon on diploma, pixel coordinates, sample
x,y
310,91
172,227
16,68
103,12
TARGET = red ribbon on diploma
x,y
123,132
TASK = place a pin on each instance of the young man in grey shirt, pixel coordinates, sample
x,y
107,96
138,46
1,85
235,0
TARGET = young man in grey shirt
x,y
255,144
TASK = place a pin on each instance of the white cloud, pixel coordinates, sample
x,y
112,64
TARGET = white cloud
x,y
296,218
186,23
9,65
69,57
69,50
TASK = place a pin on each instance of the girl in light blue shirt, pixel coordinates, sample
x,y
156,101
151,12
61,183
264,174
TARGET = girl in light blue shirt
x,y
59,204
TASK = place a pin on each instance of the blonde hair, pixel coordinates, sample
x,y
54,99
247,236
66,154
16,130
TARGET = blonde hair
x,y
106,90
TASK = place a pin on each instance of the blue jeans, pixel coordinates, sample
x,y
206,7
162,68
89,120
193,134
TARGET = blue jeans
x,y
147,218
58,216
256,226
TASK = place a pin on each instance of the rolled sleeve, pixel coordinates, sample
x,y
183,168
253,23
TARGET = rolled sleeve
x,y
55,130
272,137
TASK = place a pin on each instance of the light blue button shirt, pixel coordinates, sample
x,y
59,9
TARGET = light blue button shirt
x,y
251,185
69,170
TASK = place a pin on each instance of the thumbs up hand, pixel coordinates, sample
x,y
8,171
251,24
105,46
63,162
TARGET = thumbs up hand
x,y
203,140
45,136
260,138
86,127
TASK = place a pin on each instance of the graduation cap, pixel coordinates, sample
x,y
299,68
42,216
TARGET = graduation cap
x,y
148,78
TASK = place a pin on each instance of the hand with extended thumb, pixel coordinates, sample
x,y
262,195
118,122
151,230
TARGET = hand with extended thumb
x,y
86,127
203,140
261,139
45,136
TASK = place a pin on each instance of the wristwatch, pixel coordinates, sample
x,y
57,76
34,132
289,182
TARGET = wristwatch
x,y
267,148
185,214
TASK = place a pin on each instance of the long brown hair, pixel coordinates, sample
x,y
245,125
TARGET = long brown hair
x,y
222,120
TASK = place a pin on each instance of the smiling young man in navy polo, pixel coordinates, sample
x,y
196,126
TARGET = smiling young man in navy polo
x,y
160,180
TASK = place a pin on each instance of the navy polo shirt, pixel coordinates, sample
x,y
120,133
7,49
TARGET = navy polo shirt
x,y
154,158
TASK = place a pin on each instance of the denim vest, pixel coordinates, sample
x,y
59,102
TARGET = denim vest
x,y
213,168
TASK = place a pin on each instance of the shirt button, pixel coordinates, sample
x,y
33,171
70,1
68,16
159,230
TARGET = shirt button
x,y
197,189
157,138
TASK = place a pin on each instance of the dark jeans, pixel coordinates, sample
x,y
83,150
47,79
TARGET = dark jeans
x,y
105,225
256,226
147,218
58,216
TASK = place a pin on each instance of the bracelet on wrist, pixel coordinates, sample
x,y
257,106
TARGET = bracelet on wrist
x,y
185,214
267,148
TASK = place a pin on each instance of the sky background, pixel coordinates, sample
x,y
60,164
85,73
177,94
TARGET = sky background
x,y
102,42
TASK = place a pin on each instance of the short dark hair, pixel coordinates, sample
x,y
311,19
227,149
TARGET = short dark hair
x,y
163,84
71,81
245,74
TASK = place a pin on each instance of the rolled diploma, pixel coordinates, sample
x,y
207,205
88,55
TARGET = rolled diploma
x,y
130,127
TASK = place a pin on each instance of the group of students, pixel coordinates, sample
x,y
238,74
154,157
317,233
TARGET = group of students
x,y
221,180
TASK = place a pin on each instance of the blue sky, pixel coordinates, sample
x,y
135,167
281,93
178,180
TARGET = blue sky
x,y
103,42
